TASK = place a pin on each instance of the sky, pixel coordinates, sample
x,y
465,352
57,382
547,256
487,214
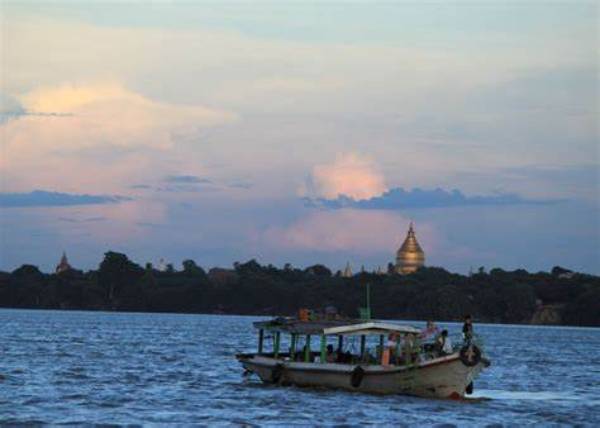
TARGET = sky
x,y
300,132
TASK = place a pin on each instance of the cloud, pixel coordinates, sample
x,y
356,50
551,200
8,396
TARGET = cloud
x,y
348,230
42,198
107,114
187,179
11,108
398,198
580,182
192,183
350,175
240,185
82,220
98,136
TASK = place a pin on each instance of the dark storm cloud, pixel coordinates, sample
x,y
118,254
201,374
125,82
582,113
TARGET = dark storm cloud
x,y
398,198
42,198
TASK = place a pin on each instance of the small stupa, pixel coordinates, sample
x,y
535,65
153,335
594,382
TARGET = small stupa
x,y
347,273
63,265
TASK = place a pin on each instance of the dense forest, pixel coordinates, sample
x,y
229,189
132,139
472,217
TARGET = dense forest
x,y
556,297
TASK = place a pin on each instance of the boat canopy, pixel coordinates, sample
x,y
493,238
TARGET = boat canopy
x,y
341,327
371,327
295,326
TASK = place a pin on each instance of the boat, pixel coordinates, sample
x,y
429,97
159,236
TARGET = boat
x,y
422,372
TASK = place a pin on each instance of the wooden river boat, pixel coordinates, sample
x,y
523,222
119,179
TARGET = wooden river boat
x,y
426,374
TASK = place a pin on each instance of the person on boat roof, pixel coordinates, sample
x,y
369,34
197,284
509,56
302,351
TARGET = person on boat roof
x,y
443,343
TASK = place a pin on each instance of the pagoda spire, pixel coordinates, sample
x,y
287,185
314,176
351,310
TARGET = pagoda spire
x,y
347,273
63,265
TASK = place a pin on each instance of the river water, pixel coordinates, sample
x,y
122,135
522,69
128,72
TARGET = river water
x,y
72,367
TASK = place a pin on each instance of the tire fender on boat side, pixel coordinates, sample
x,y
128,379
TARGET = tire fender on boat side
x,y
277,372
470,355
357,376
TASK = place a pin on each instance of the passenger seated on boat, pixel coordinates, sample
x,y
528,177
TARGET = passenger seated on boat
x,y
368,358
389,351
429,331
344,358
443,344
409,355
331,356
429,347
300,356
416,349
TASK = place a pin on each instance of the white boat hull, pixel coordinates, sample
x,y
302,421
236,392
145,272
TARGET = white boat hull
x,y
444,377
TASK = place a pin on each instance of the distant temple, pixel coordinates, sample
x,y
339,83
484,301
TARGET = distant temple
x,y
63,265
410,256
347,273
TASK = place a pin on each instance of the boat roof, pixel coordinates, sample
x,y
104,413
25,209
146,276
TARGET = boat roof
x,y
371,327
346,327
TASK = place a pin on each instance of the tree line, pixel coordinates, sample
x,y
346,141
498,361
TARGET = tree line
x,y
251,288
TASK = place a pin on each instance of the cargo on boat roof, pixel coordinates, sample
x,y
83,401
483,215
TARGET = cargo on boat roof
x,y
344,327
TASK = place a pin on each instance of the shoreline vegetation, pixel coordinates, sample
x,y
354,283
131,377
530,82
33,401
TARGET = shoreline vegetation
x,y
559,297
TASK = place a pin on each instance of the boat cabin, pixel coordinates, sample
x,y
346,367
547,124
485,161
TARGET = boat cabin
x,y
359,355
352,341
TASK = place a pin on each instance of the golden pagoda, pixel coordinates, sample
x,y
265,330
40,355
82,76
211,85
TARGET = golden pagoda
x,y
410,256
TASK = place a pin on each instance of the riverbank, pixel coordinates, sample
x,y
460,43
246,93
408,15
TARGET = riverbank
x,y
497,296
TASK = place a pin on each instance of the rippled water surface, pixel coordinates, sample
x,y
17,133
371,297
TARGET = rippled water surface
x,y
75,367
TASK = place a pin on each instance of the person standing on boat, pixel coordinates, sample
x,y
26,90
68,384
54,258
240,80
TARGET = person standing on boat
x,y
468,329
389,353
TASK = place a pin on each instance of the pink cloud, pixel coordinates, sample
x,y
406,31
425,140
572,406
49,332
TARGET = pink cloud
x,y
65,152
350,175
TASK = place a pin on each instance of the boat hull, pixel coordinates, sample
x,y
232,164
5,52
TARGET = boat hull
x,y
445,377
